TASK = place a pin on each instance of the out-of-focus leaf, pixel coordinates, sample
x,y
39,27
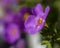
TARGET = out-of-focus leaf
x,y
58,39
47,43
56,45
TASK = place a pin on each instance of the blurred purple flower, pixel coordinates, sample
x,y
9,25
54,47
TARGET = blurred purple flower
x,y
34,23
12,33
8,18
20,44
23,14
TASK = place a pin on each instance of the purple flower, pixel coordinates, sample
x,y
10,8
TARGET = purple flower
x,y
35,23
8,18
20,44
23,14
12,33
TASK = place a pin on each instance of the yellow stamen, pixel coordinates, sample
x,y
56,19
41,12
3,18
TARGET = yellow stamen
x,y
25,16
39,21
46,25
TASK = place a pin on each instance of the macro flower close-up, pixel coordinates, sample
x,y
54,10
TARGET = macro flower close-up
x,y
34,23
29,24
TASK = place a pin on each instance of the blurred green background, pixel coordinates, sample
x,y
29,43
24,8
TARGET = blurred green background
x,y
51,35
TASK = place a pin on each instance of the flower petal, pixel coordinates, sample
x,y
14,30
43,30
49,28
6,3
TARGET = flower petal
x,y
24,10
29,21
21,44
38,9
47,11
30,24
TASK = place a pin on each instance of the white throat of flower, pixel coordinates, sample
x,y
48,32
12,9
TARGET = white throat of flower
x,y
34,41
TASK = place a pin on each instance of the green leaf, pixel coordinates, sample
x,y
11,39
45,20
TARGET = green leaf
x,y
47,43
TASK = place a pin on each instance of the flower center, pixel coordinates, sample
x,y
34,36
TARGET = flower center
x,y
13,32
39,21
25,16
